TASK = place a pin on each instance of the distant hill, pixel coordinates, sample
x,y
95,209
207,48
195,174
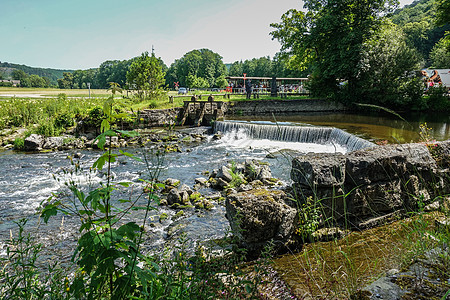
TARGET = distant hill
x,y
52,74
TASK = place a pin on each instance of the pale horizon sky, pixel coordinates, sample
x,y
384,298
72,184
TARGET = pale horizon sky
x,y
64,34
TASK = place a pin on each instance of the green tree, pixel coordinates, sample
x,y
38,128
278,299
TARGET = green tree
x,y
440,55
443,18
418,21
37,81
67,81
202,63
381,71
221,82
236,69
113,71
329,40
146,76
443,12
19,75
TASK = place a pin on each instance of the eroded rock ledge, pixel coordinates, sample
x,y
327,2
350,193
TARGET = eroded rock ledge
x,y
373,184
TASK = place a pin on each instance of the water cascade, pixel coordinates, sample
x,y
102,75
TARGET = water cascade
x,y
300,134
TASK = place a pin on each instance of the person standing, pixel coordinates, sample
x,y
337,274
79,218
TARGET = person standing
x,y
248,88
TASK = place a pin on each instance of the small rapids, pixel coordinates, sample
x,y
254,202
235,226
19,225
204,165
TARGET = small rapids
x,y
28,179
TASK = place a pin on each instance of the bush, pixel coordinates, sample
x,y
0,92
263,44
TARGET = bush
x,y
436,98
95,117
46,128
153,104
6,84
62,97
63,120
19,144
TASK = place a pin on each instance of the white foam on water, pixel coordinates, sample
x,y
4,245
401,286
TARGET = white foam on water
x,y
239,139
3,251
318,139
40,188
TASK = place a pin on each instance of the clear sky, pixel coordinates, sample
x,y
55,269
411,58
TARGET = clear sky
x,y
81,34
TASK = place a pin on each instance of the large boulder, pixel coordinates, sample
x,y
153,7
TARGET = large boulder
x,y
441,152
381,164
53,142
258,217
34,142
319,170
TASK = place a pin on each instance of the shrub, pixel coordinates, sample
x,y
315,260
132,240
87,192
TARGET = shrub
x,y
95,117
46,128
63,120
436,98
19,144
6,84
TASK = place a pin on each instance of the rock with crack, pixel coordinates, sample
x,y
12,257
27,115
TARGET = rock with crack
x,y
259,218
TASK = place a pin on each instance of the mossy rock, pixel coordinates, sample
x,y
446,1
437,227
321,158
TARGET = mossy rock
x,y
163,217
178,215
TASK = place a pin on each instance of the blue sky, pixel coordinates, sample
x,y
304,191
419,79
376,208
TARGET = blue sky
x,y
81,34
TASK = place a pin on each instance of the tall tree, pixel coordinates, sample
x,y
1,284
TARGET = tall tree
x,y
66,82
146,76
203,63
381,71
443,18
440,55
418,22
19,75
236,69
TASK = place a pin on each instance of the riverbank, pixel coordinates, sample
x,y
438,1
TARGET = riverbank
x,y
180,164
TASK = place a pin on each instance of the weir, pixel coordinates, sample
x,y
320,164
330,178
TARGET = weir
x,y
301,134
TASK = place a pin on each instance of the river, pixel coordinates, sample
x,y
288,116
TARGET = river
x,y
28,179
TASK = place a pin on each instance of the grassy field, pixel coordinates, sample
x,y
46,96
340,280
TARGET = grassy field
x,y
47,92
162,103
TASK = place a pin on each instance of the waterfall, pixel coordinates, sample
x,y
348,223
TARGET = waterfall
x,y
301,134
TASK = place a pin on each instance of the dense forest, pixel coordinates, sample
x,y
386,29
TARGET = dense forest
x,y
6,70
418,22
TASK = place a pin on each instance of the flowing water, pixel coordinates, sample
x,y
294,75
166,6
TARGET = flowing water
x,y
27,179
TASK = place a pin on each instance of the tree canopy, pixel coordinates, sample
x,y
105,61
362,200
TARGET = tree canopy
x,y
197,68
350,49
146,76
423,25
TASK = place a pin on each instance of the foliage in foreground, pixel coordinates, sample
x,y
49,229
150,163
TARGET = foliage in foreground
x,y
110,261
